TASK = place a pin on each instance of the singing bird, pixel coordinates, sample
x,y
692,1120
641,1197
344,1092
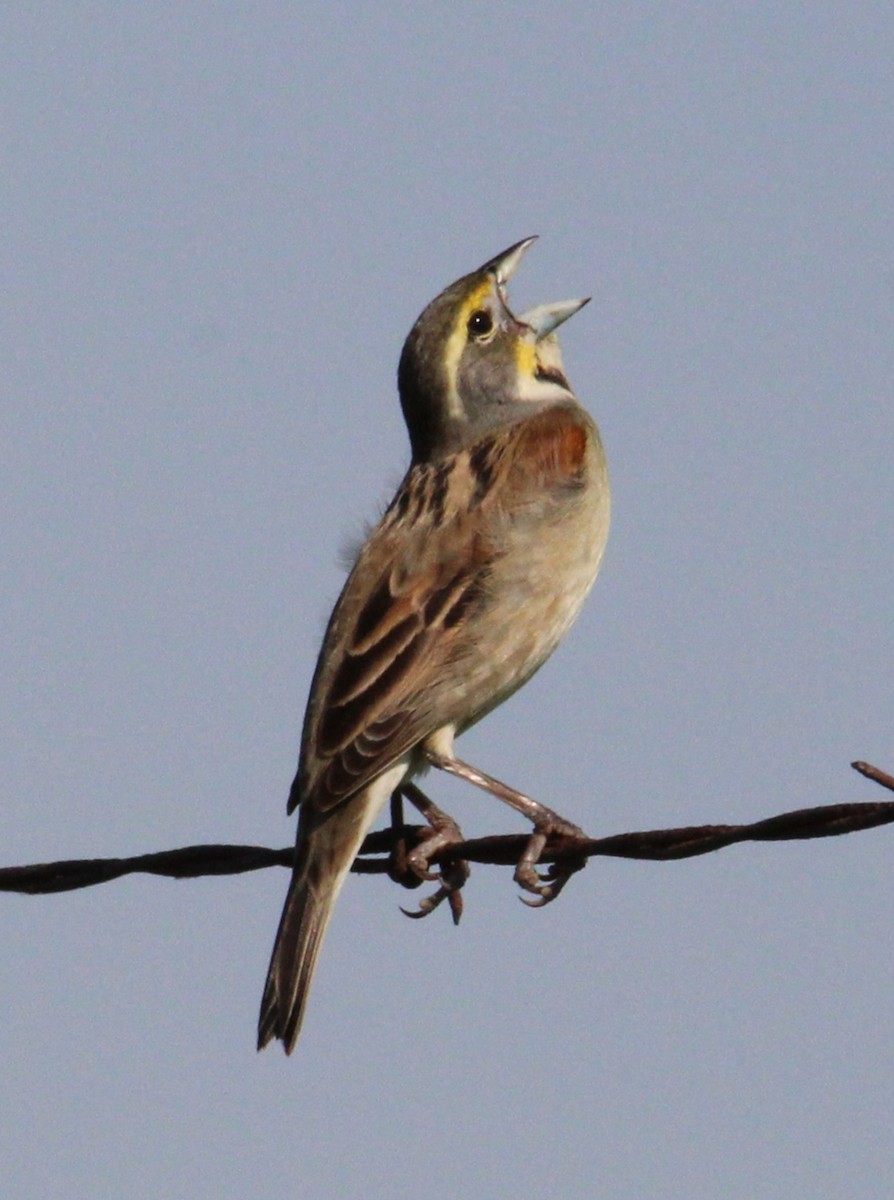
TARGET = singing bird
x,y
463,589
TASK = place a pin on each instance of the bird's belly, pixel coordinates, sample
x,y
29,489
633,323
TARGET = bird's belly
x,y
535,593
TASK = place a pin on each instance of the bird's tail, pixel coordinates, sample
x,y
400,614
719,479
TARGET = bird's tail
x,y
325,854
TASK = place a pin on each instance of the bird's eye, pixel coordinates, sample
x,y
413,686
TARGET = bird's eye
x,y
480,323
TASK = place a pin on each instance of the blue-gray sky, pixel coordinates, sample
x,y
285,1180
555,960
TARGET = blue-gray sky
x,y
219,223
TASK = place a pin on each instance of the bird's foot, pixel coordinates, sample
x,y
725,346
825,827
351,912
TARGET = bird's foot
x,y
412,867
546,824
546,886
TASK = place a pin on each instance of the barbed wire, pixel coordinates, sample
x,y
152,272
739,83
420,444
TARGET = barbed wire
x,y
378,850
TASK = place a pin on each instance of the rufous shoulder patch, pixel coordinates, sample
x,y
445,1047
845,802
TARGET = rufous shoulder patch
x,y
553,445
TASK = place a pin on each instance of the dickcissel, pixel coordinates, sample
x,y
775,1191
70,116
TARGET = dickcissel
x,y
461,592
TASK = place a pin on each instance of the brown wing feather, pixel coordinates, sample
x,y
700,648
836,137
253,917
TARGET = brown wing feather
x,y
375,692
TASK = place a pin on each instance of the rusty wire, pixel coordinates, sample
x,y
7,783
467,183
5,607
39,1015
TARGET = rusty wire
x,y
376,853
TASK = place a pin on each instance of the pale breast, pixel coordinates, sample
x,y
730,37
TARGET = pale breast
x,y
552,548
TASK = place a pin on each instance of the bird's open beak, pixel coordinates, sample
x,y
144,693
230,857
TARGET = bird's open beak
x,y
543,319
546,317
503,265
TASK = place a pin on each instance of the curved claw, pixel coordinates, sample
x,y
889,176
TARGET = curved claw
x,y
455,900
547,886
442,832
549,890
428,904
544,887
418,864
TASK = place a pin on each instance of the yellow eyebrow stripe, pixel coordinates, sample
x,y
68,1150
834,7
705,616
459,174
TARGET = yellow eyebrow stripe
x,y
457,343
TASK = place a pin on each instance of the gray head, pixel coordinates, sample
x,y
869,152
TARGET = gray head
x,y
469,364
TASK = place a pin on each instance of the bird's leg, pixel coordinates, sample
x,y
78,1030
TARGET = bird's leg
x,y
444,831
546,824
397,864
